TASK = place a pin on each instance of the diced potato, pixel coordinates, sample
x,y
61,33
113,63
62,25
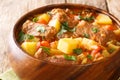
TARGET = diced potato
x,y
79,42
105,53
67,45
87,43
29,47
103,19
117,32
55,52
55,23
44,16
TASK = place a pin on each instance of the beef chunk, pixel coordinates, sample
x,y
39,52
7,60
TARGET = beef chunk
x,y
62,16
30,27
40,54
65,35
59,14
50,33
101,36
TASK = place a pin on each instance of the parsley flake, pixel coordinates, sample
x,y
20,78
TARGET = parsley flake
x,y
71,58
77,51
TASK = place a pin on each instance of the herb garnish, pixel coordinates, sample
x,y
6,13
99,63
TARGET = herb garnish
x,y
46,50
94,30
89,57
91,18
111,50
40,29
35,19
69,57
22,36
77,51
65,28
86,35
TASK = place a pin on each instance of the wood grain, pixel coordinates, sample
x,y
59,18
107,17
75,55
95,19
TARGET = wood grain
x,y
114,7
97,3
10,11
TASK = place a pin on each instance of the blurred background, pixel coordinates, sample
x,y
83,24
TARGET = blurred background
x,y
12,10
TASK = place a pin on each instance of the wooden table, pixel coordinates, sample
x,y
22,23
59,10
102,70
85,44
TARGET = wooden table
x,y
11,11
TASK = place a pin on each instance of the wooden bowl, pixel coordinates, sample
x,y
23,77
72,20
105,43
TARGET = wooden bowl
x,y
30,68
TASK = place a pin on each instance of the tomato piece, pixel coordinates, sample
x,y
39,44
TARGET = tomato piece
x,y
86,53
45,43
110,27
96,49
42,21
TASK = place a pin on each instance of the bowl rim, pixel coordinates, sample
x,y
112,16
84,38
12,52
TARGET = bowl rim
x,y
58,6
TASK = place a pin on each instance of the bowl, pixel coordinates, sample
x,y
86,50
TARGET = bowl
x,y
30,68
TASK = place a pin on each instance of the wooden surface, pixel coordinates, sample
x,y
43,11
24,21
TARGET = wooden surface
x,y
11,10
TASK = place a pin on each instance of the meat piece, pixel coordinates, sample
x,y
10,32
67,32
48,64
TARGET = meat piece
x,y
30,27
102,36
72,22
59,14
50,33
62,16
60,59
40,54
65,35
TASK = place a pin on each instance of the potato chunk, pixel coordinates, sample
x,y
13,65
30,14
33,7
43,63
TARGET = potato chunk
x,y
55,23
67,45
88,44
29,47
103,19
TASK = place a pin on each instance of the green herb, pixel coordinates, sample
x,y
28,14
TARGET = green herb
x,y
77,51
23,36
28,37
95,30
89,18
61,32
35,19
68,57
46,50
80,17
41,29
65,28
86,35
111,50
89,56
86,18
